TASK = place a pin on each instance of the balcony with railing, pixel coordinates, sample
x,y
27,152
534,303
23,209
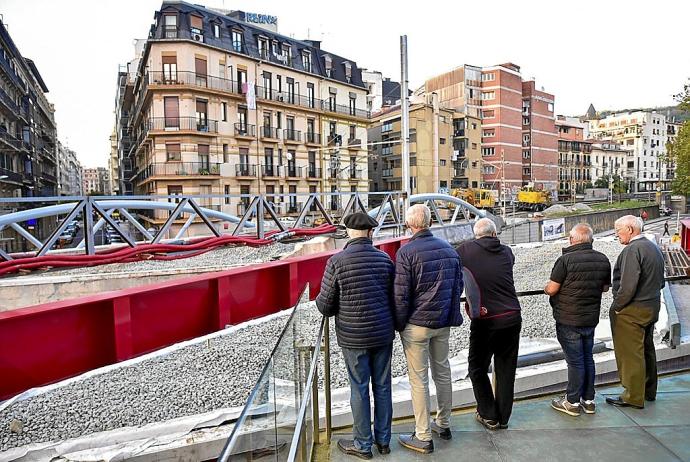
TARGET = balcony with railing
x,y
245,170
270,133
9,102
294,207
271,171
292,172
9,176
245,130
292,136
11,141
333,173
7,67
459,172
178,169
193,79
313,138
313,172
354,173
355,143
182,124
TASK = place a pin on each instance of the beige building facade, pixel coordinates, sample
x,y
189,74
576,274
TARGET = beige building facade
x,y
224,107
444,149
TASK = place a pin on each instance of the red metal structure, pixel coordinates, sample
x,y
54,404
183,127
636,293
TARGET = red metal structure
x,y
46,343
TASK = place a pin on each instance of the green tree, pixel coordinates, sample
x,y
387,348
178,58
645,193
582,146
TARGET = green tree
x,y
618,183
679,150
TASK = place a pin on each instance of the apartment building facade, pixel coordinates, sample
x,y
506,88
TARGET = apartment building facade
x,y
223,106
431,149
609,159
444,149
96,181
645,134
70,172
519,140
574,157
28,145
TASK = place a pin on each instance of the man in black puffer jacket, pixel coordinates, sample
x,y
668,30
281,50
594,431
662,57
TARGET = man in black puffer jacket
x,y
356,289
578,279
495,325
428,286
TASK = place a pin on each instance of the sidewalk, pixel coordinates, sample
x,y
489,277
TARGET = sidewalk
x,y
660,432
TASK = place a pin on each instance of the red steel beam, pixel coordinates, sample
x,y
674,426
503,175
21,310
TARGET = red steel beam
x,y
46,343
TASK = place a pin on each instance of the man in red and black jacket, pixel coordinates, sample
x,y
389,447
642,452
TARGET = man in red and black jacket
x,y
496,323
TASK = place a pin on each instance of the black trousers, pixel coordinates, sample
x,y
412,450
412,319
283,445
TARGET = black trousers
x,y
501,343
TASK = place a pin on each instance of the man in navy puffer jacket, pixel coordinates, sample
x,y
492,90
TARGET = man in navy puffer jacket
x,y
428,286
357,289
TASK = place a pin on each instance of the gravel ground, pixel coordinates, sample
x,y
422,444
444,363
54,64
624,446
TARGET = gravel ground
x,y
221,373
221,258
196,379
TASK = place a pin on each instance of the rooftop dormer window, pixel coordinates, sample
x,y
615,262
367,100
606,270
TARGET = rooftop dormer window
x,y
287,54
348,72
263,47
216,30
328,64
196,24
237,40
306,61
170,25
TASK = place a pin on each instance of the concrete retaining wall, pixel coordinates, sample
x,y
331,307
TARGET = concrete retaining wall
x,y
603,221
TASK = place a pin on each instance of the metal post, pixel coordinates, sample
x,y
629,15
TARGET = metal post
x,y
315,399
503,182
327,378
89,237
405,125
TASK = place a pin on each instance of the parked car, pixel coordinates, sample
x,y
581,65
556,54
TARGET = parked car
x,y
665,210
65,238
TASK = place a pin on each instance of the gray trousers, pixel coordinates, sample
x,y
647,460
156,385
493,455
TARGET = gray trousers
x,y
424,347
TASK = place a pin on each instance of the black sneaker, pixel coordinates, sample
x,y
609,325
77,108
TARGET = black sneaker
x,y
348,447
503,426
488,424
415,444
443,433
383,448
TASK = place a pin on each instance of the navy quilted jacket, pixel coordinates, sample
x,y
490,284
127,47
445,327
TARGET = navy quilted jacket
x,y
428,283
357,289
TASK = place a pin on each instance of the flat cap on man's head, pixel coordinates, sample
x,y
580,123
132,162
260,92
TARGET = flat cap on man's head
x,y
360,220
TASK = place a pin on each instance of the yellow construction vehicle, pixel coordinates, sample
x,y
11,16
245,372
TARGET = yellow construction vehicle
x,y
480,198
529,198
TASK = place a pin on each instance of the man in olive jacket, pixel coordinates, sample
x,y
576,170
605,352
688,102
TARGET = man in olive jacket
x,y
357,288
638,278
578,279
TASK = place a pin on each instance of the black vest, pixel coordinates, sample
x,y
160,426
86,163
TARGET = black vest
x,y
578,301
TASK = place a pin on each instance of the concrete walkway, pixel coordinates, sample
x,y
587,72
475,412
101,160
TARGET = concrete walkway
x,y
660,432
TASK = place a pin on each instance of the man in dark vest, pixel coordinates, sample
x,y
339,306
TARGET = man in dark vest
x,y
357,289
495,330
578,279
638,278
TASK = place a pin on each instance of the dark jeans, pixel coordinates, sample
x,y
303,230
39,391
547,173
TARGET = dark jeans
x,y
502,344
577,343
363,365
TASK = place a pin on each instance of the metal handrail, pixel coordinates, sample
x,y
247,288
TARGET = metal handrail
x,y
311,392
232,439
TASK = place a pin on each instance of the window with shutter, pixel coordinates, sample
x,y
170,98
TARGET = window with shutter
x,y
171,108
196,23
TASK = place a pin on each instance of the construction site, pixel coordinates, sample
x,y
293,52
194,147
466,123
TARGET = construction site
x,y
174,347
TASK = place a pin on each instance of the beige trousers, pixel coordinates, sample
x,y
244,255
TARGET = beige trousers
x,y
424,346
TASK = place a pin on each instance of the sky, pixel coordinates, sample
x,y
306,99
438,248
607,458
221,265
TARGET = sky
x,y
614,54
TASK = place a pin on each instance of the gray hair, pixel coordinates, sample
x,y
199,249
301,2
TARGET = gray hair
x,y
630,220
355,233
484,227
418,216
581,233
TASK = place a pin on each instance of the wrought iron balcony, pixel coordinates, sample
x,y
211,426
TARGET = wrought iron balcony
x,y
313,172
183,123
292,135
247,130
313,138
270,132
248,170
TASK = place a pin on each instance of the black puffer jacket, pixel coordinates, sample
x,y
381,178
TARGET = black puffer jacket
x,y
428,283
491,263
357,289
582,273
